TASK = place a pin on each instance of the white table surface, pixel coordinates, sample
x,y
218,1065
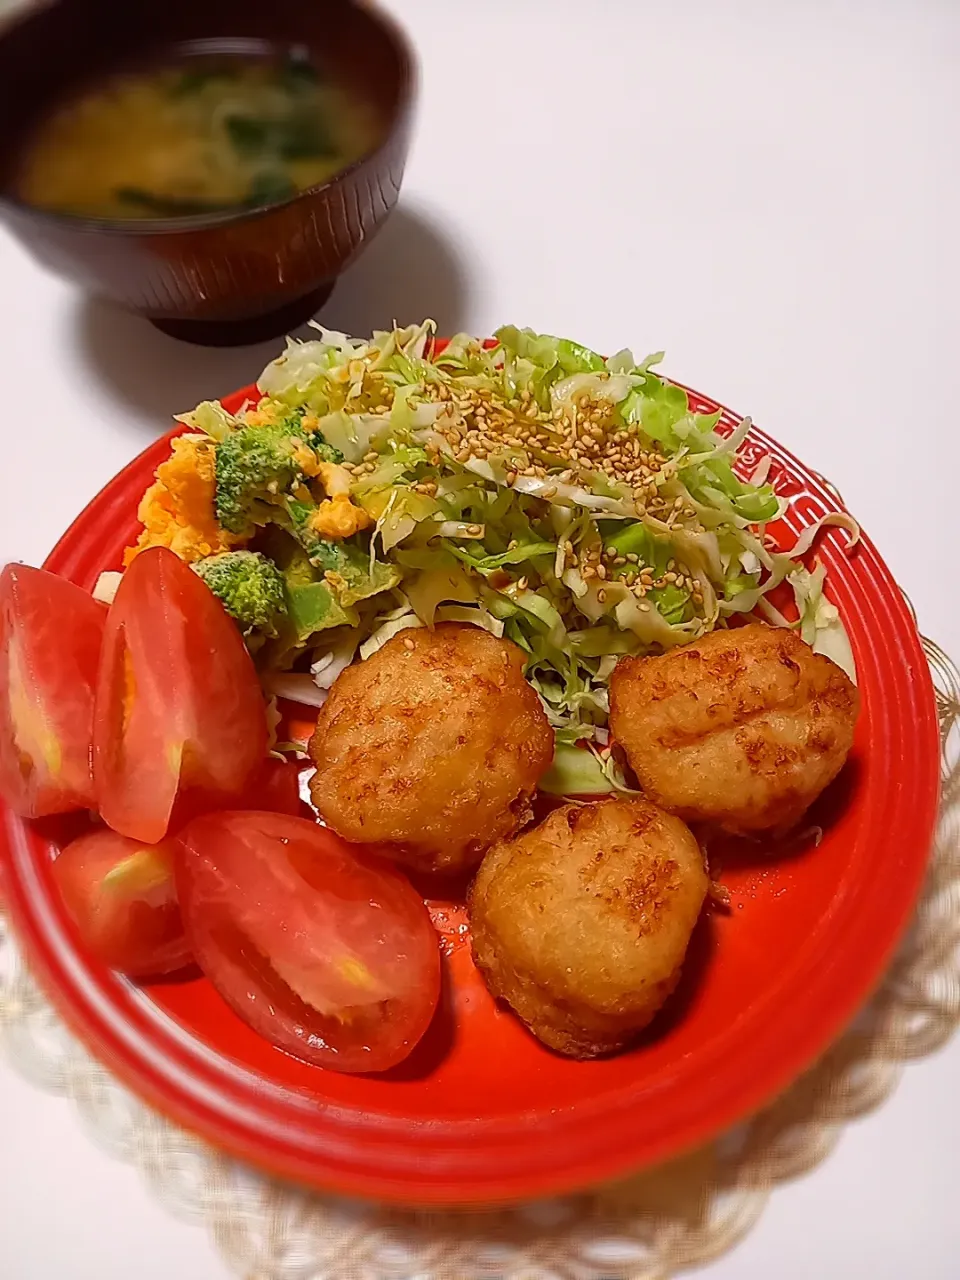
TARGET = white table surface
x,y
769,191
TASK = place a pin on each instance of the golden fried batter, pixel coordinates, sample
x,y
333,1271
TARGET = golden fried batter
x,y
582,923
744,728
435,744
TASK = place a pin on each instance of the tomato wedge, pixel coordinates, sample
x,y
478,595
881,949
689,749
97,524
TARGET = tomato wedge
x,y
180,718
122,897
327,953
50,637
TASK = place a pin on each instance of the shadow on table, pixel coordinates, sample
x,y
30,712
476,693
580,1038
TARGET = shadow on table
x,y
411,270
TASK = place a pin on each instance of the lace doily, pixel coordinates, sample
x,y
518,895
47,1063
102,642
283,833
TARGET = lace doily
x,y
647,1228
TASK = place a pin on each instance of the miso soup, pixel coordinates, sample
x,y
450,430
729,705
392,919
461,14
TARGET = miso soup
x,y
200,135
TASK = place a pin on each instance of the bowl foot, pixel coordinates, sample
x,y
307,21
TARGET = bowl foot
x,y
243,333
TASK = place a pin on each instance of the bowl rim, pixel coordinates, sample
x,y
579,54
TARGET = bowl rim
x,y
85,224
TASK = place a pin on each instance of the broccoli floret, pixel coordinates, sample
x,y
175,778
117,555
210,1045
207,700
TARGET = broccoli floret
x,y
258,466
251,589
325,452
293,423
312,605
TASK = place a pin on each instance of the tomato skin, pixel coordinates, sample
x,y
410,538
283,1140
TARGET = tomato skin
x,y
275,788
50,638
180,725
323,950
121,895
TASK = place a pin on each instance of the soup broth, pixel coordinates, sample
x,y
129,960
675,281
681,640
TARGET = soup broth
x,y
204,134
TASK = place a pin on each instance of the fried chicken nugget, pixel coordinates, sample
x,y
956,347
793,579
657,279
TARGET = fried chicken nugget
x,y
582,923
743,728
435,745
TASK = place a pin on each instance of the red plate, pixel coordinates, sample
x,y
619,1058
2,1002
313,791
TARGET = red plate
x,y
481,1112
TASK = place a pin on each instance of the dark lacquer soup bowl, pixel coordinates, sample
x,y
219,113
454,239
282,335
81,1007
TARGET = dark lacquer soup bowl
x,y
231,276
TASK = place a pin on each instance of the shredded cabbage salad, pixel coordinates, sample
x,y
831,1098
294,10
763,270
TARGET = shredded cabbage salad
x,y
574,504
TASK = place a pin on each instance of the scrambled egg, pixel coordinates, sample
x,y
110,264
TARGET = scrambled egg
x,y
264,415
337,518
336,479
177,510
307,460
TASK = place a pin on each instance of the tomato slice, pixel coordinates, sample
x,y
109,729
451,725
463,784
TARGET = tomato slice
x,y
180,717
326,952
122,896
50,637
275,788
